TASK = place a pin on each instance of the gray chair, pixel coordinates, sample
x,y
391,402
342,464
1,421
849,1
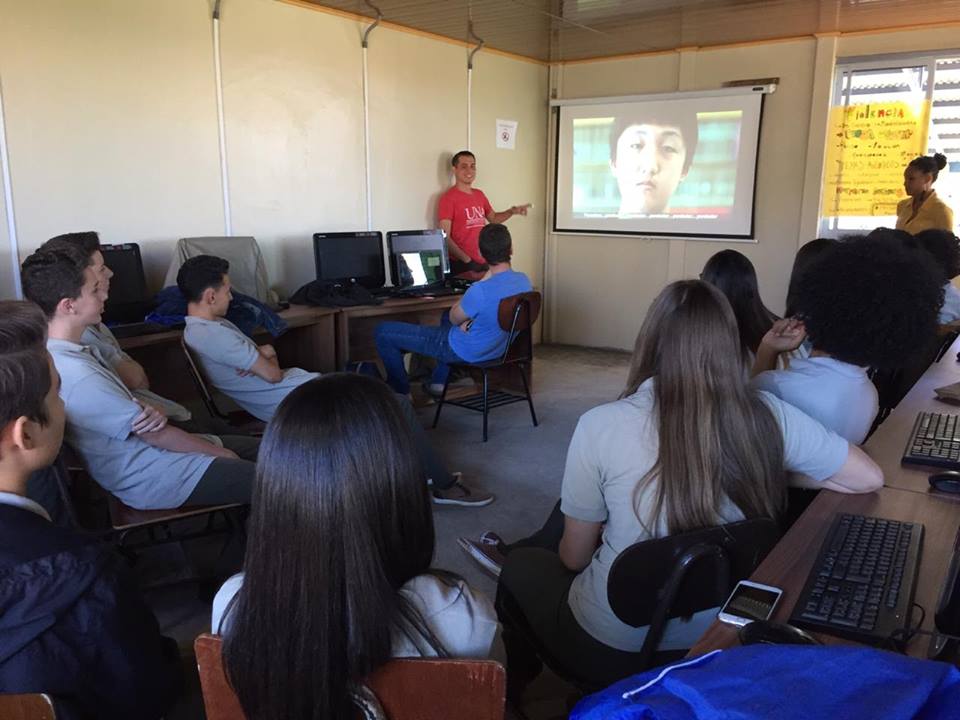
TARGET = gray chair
x,y
248,271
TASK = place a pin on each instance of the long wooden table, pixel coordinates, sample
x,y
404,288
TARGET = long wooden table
x,y
887,444
906,496
789,563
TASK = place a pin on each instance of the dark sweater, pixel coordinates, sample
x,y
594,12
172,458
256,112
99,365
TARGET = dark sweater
x,y
74,625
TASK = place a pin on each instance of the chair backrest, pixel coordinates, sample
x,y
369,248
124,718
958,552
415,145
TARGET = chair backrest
x,y
407,689
27,707
248,271
516,316
676,576
198,380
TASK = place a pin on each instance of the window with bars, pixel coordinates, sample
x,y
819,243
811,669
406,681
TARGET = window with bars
x,y
912,79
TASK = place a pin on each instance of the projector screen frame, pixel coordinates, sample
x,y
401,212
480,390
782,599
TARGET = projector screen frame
x,y
761,89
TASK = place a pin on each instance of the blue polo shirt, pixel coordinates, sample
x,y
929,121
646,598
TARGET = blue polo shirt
x,y
483,339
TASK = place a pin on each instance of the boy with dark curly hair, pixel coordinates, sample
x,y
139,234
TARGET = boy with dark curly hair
x,y
867,302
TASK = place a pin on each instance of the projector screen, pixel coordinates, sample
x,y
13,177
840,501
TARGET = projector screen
x,y
670,165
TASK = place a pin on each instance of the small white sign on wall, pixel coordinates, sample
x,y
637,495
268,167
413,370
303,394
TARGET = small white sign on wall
x,y
506,134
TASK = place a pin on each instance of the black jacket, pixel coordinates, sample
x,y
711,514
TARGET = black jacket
x,y
74,625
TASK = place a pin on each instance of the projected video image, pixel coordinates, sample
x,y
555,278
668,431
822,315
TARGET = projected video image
x,y
642,164
675,165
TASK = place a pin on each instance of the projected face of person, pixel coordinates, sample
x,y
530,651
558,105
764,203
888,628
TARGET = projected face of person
x,y
649,164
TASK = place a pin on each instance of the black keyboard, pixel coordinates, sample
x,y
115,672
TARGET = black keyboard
x,y
935,441
861,586
434,291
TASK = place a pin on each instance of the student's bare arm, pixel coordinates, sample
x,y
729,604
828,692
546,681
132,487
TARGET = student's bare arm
x,y
859,474
176,440
455,250
132,375
457,315
267,369
785,336
579,542
499,217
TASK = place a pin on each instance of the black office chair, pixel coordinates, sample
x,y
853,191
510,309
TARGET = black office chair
x,y
654,581
516,316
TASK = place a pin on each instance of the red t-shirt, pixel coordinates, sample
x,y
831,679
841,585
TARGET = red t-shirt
x,y
467,213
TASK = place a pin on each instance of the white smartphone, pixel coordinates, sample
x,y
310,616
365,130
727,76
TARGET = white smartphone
x,y
749,601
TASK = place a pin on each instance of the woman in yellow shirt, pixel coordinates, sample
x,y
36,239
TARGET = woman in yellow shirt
x,y
923,210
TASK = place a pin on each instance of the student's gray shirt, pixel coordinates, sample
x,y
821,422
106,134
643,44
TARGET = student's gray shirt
x,y
100,337
613,448
836,394
462,619
222,349
100,415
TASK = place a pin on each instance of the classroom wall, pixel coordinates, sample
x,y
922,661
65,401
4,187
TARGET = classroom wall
x,y
112,125
599,287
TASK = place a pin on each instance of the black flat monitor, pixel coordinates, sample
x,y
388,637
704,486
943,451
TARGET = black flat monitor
x,y
127,301
345,258
418,258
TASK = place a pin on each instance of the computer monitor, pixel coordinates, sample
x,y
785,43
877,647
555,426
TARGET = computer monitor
x,y
127,301
345,258
418,258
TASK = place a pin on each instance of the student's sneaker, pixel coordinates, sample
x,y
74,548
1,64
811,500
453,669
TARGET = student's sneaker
x,y
485,551
461,494
434,390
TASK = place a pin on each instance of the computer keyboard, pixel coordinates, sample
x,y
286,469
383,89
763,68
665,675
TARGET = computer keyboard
x,y
861,586
935,441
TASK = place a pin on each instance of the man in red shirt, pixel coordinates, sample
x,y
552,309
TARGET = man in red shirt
x,y
463,212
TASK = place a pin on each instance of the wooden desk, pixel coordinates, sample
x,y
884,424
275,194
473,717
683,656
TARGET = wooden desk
x,y
309,343
356,325
789,563
887,444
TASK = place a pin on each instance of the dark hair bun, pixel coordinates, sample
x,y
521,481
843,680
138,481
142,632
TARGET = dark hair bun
x,y
941,160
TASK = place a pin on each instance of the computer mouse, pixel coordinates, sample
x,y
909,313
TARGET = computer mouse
x,y
945,481
767,632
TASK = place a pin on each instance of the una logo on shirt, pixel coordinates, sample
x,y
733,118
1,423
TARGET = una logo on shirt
x,y
475,216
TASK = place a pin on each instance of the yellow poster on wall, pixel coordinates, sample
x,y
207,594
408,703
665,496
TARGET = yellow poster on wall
x,y
868,148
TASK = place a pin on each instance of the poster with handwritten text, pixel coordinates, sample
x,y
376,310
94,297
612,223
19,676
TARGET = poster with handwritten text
x,y
868,148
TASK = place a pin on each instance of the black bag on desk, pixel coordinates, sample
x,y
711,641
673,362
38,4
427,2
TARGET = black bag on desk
x,y
326,294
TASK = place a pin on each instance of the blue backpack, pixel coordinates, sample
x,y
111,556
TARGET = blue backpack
x,y
783,682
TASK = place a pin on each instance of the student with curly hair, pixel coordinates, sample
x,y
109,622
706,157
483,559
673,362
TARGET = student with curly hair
x,y
923,210
868,302
944,246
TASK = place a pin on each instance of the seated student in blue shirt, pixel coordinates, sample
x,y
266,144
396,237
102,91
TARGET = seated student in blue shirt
x,y
470,333
126,445
72,623
867,302
250,374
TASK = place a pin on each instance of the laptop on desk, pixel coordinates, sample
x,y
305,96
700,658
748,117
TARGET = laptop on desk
x,y
128,303
419,263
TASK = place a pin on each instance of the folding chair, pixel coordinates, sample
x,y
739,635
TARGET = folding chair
x,y
27,707
516,316
240,420
404,689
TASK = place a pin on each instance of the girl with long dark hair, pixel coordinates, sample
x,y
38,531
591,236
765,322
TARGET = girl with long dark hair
x,y
688,445
337,577
733,274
